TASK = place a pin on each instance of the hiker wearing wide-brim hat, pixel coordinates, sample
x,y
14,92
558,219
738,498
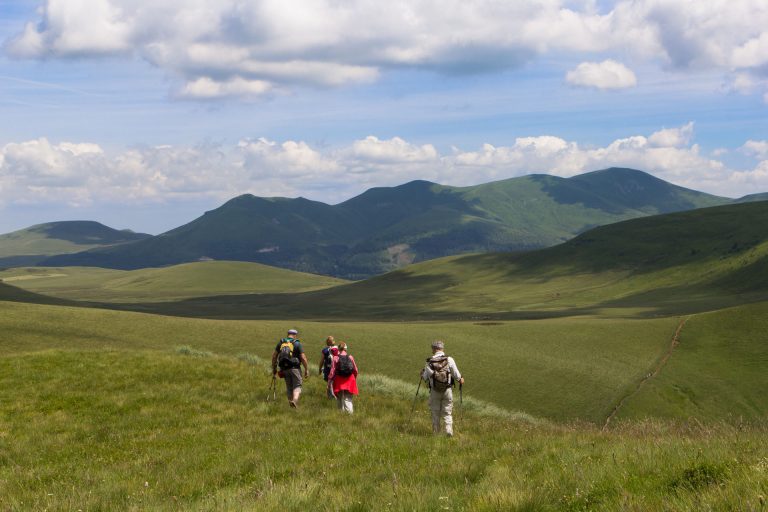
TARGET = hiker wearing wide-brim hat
x,y
441,373
289,357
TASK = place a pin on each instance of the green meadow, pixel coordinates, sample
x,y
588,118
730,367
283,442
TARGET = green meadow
x,y
105,410
100,416
168,283
618,371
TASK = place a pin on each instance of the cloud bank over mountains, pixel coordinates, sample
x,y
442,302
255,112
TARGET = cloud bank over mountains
x,y
80,174
248,49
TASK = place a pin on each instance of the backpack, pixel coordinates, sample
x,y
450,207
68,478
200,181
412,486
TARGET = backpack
x,y
345,367
285,359
441,376
328,361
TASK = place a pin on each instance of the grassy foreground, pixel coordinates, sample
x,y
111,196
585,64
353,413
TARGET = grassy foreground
x,y
158,430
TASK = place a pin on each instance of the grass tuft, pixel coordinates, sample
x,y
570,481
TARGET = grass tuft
x,y
189,351
701,475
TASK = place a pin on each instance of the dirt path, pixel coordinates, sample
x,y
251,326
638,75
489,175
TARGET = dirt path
x,y
653,373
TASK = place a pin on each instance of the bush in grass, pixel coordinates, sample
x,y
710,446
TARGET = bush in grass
x,y
251,359
189,351
699,476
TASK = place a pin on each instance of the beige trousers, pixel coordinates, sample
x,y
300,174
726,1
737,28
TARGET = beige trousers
x,y
441,406
344,401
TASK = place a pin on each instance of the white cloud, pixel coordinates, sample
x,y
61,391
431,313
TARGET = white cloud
x,y
205,88
756,148
743,83
41,172
672,137
393,151
242,45
608,74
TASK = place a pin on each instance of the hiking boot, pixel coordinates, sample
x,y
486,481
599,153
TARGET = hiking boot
x,y
292,404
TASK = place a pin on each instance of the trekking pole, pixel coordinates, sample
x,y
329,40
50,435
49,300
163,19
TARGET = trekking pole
x,y
415,397
272,389
461,399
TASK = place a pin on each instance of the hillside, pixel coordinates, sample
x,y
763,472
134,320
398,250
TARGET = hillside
x,y
387,228
668,264
110,410
167,283
31,245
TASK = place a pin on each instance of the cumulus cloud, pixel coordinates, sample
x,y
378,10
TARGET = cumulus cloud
x,y
608,74
672,137
242,48
40,171
756,148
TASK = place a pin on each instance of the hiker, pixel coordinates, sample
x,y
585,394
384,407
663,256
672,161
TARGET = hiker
x,y
342,379
441,374
289,356
326,358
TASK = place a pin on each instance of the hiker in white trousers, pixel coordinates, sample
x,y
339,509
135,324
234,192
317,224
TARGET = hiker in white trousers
x,y
441,373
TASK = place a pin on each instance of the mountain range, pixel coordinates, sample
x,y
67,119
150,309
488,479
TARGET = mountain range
x,y
386,228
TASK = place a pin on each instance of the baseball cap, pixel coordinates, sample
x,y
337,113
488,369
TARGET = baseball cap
x,y
293,331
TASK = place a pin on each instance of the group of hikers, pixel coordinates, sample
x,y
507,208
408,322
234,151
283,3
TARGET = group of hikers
x,y
340,371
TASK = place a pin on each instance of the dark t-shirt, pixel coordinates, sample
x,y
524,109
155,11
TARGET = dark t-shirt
x,y
297,350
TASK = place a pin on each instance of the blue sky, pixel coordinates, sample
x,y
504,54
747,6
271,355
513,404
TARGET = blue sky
x,y
144,116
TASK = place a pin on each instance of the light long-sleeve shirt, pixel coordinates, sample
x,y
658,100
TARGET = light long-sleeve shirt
x,y
427,373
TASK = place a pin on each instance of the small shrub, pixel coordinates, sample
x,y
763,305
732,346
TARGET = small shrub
x,y
251,359
189,351
699,476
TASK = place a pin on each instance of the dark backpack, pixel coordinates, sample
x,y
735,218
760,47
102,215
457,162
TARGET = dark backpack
x,y
285,358
345,367
328,361
441,376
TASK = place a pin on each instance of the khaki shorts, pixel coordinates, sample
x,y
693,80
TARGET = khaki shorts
x,y
292,378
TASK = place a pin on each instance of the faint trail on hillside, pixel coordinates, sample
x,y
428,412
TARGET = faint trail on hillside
x,y
653,373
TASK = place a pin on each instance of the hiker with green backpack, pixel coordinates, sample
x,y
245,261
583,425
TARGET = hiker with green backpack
x,y
441,373
289,357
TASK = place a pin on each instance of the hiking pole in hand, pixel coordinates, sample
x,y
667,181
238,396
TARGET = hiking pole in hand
x,y
415,397
272,389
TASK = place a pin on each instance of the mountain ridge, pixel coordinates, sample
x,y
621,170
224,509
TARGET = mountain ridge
x,y
33,244
385,228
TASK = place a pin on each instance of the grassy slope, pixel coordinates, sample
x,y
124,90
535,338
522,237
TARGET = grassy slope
x,y
717,371
168,283
148,430
62,238
665,265
557,369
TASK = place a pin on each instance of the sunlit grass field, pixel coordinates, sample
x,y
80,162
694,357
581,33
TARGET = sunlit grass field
x,y
105,410
168,283
560,368
139,429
